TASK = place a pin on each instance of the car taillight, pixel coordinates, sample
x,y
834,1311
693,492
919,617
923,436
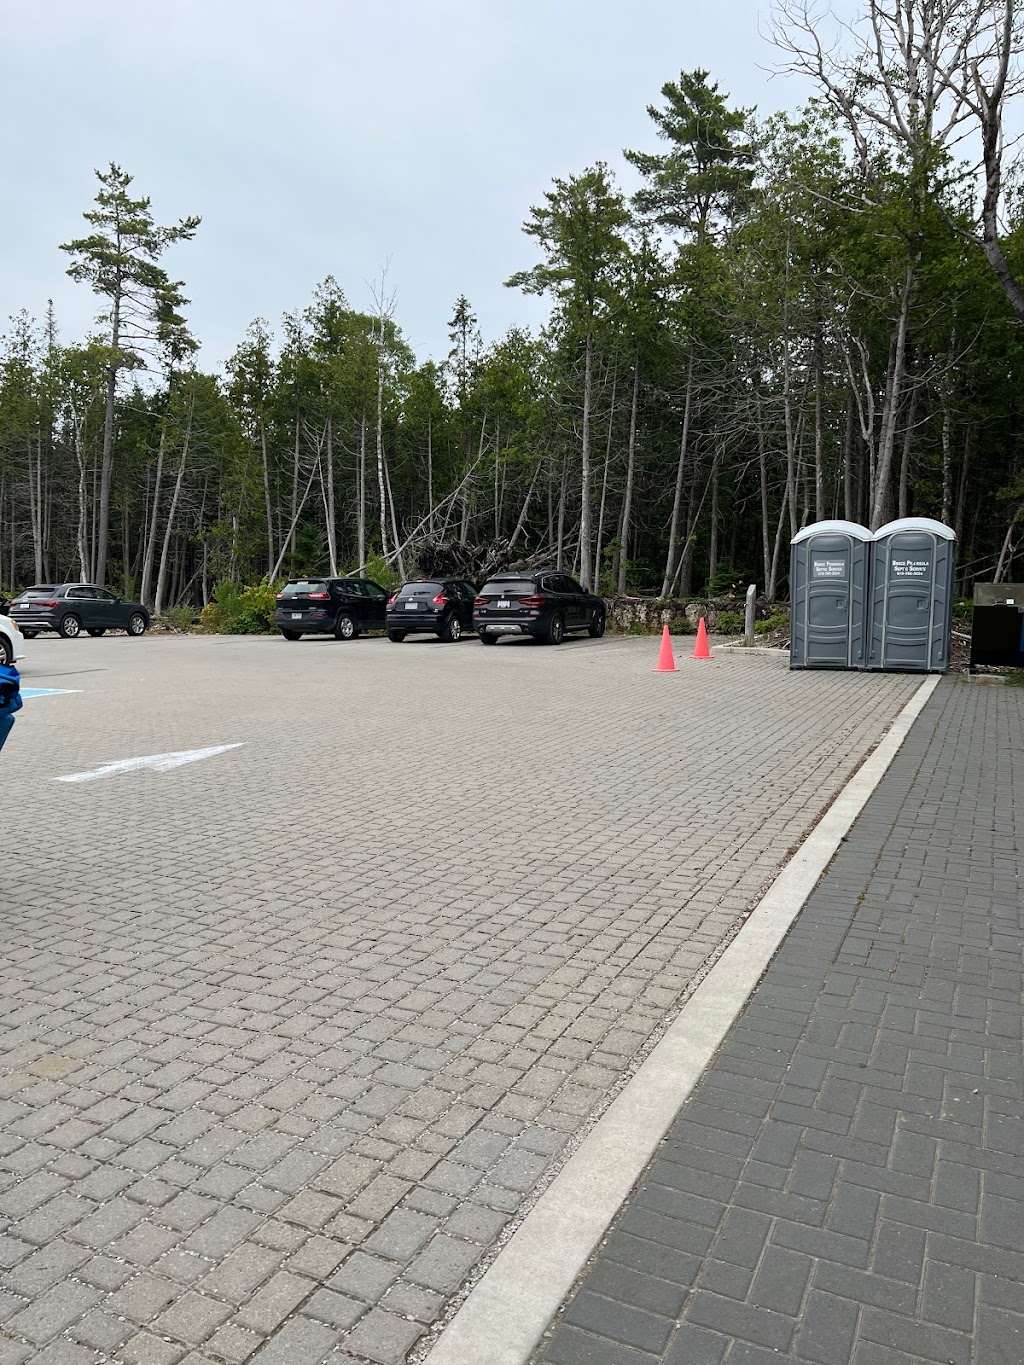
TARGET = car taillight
x,y
479,601
280,596
440,600
40,603
393,598
318,596
532,601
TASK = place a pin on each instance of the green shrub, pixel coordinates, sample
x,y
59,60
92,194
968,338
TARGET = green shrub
x,y
181,618
240,611
780,621
255,615
963,608
729,623
378,568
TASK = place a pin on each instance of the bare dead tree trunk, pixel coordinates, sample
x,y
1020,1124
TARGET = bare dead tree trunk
x,y
772,585
627,497
890,411
150,555
762,466
713,538
295,488
430,474
947,455
361,493
604,486
1007,551
848,460
819,429
161,578
394,522
266,496
107,455
332,530
908,444
684,442
560,552
588,394
381,492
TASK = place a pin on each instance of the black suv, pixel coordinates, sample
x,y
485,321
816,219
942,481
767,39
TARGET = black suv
x,y
341,607
545,604
443,606
70,608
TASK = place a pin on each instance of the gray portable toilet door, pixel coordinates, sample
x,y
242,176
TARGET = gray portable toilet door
x,y
829,578
909,599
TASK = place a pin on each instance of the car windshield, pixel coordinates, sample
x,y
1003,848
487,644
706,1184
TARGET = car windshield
x,y
421,589
510,587
302,586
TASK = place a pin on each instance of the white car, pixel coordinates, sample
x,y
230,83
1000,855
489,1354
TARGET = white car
x,y
12,642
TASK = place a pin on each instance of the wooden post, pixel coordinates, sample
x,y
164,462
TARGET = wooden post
x,y
748,618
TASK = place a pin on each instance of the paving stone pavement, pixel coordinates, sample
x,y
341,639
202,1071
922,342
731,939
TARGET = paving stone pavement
x,y
845,1183
288,1036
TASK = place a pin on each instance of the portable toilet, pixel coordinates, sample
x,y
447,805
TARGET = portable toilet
x,y
829,595
913,561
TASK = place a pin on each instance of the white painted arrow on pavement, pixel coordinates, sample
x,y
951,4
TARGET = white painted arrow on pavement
x,y
160,763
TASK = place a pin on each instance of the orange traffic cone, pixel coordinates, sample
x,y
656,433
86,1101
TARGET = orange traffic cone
x,y
666,659
701,650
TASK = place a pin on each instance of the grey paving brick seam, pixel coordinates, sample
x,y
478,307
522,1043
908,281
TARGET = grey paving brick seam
x,y
845,1183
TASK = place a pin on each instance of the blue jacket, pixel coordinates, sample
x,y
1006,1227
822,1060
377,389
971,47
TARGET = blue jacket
x,y
10,690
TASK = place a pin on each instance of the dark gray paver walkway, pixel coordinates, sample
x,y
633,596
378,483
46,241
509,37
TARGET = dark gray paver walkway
x,y
846,1182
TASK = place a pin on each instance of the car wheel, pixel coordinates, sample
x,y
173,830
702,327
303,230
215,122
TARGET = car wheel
x,y
486,639
396,636
292,634
137,623
345,628
70,627
97,630
597,629
30,634
556,630
451,630
6,651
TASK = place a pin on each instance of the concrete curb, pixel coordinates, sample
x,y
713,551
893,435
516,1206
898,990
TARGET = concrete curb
x,y
506,1314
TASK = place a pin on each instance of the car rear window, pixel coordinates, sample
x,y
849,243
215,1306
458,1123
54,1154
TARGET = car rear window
x,y
303,586
420,589
513,587
37,591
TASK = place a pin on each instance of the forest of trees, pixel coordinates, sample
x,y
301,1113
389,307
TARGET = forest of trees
x,y
808,315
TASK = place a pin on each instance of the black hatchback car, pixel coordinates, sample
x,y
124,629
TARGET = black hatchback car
x,y
341,607
438,606
545,604
70,608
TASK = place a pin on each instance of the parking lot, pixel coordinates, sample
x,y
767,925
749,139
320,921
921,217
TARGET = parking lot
x,y
291,1033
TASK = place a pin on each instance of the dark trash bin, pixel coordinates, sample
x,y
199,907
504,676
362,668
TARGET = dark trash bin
x,y
829,595
913,562
997,628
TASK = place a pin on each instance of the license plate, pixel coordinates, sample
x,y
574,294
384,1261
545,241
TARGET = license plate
x,y
504,602
296,615
411,606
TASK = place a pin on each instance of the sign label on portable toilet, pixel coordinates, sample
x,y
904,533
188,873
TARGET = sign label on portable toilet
x,y
911,568
823,566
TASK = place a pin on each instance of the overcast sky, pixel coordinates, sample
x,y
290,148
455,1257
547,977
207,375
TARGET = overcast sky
x,y
322,137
